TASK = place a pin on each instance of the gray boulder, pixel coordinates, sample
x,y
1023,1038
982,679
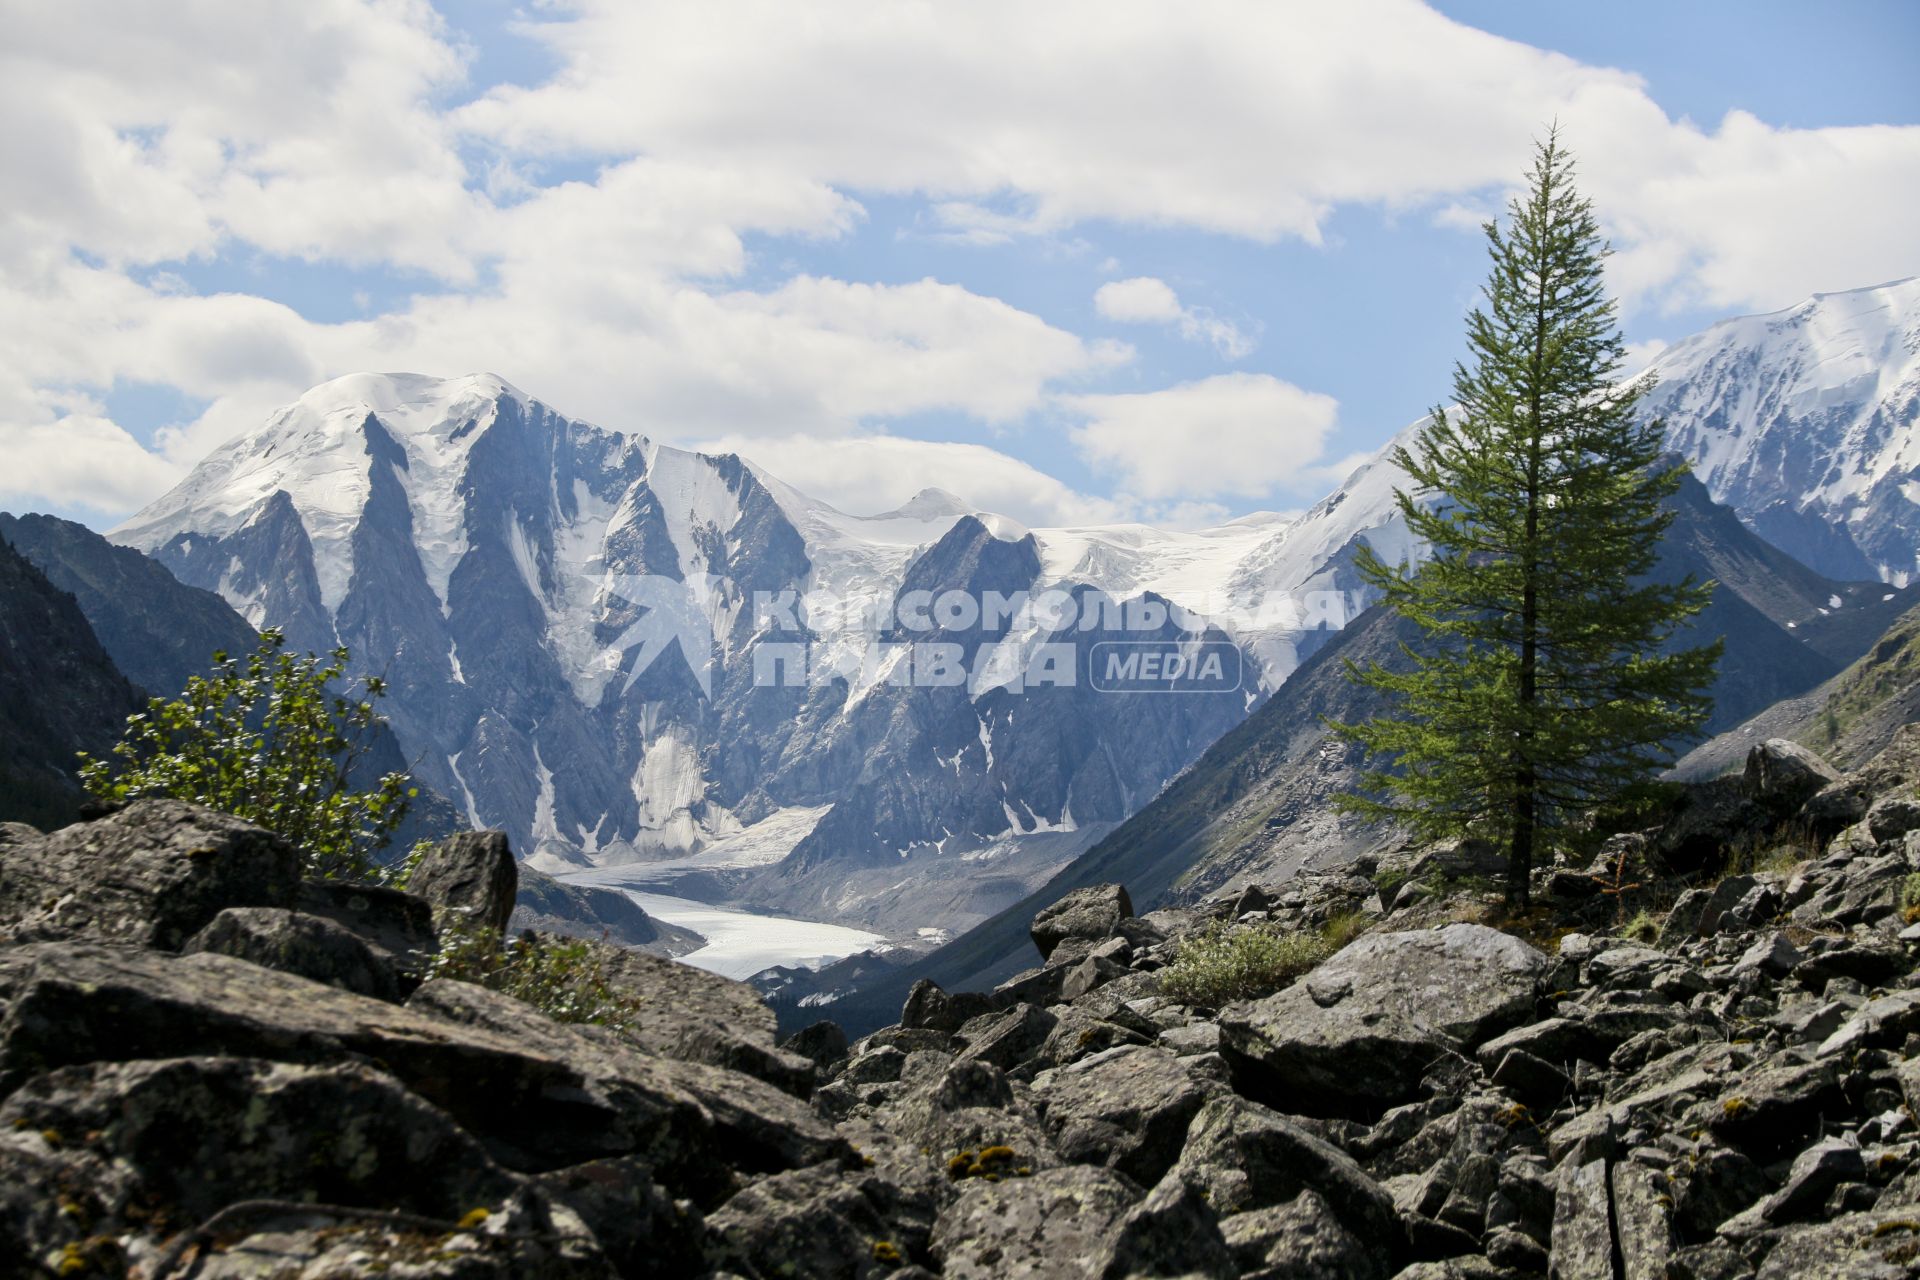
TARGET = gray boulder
x,y
1892,816
1055,1225
297,943
1302,1238
1127,1109
471,875
1881,1245
696,1016
396,925
68,1003
1244,1156
1092,913
1783,775
1171,1233
931,1008
199,1133
819,1222
1359,1033
153,874
1815,1173
755,1127
641,1229
1582,1243
1007,1039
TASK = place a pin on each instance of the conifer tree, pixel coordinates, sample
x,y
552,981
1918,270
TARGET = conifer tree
x,y
1546,685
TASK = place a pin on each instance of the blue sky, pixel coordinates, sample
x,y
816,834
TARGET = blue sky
x,y
869,253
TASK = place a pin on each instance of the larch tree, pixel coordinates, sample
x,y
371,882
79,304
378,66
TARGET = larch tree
x,y
1548,683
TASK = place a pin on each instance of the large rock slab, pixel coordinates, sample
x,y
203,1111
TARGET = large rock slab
x,y
1172,1233
199,1133
820,1222
1357,1035
1881,1245
397,925
696,1016
1055,1225
154,874
69,1003
1783,775
1092,913
294,942
1244,1156
756,1128
1128,1109
471,874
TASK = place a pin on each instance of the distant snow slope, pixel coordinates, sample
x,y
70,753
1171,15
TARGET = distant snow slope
x,y
1807,422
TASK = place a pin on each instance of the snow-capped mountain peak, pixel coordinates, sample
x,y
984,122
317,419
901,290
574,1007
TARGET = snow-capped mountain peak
x,y
1807,422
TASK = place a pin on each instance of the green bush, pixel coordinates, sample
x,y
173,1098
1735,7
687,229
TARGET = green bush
x,y
1224,963
274,739
563,978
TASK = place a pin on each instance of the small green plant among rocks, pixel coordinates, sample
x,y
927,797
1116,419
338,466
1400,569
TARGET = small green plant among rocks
x,y
1644,926
272,738
563,978
1224,963
988,1163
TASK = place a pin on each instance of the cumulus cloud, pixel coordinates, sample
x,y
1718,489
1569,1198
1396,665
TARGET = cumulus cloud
x,y
1144,299
147,141
1171,443
1243,117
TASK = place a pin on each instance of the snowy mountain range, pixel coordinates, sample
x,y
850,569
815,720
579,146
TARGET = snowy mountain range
x,y
1803,421
483,550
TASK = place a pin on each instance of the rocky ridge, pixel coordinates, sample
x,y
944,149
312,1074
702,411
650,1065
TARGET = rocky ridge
x,y
1699,1057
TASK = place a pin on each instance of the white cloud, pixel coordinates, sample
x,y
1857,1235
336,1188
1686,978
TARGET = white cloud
x,y
145,141
1144,299
1242,117
1140,299
870,474
1237,434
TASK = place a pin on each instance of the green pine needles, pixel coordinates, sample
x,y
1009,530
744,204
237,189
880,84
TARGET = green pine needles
x,y
274,739
1547,685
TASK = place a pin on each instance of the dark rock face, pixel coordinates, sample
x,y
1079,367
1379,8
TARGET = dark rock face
x,y
154,874
1784,775
472,874
60,693
695,1016
396,926
300,944
158,630
1128,1108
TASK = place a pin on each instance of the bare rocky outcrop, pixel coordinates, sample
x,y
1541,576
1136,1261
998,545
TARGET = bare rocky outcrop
x,y
153,874
1729,1092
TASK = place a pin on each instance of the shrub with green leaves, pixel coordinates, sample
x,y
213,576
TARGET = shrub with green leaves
x,y
1223,963
564,978
272,738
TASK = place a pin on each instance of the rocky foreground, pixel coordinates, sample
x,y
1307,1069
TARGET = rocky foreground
x,y
210,1068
